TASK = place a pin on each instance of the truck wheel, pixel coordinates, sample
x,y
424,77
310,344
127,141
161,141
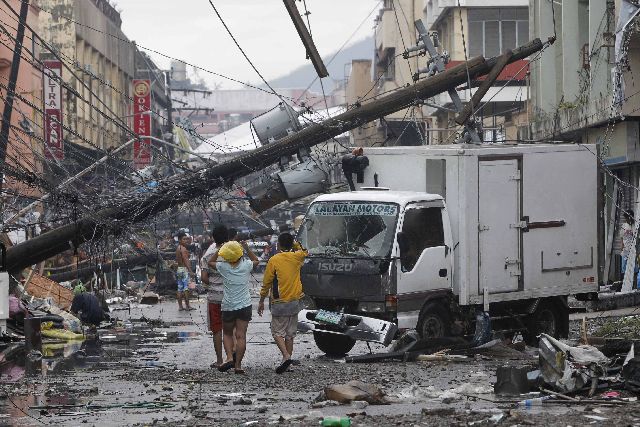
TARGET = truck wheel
x,y
549,318
434,321
333,344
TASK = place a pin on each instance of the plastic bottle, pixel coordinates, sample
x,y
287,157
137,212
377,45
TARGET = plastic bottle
x,y
335,422
528,403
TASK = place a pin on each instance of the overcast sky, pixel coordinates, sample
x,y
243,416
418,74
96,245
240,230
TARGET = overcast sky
x,y
191,31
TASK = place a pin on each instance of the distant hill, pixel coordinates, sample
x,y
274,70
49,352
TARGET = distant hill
x,y
302,76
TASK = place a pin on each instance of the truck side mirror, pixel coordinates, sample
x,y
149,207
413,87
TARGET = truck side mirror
x,y
403,244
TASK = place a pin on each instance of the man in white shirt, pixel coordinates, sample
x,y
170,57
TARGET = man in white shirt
x,y
213,281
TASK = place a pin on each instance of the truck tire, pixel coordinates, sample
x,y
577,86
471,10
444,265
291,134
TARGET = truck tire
x,y
434,321
549,318
334,345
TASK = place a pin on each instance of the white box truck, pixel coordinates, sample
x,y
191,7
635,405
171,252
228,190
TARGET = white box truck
x,y
435,234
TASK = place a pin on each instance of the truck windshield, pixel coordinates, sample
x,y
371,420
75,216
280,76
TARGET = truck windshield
x,y
359,229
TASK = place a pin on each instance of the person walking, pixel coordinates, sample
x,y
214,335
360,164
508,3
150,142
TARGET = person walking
x,y
628,242
184,270
212,280
282,281
236,302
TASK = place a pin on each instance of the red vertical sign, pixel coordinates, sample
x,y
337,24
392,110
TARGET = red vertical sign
x,y
52,100
142,122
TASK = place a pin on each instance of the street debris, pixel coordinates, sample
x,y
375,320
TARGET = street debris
x,y
356,391
569,368
511,381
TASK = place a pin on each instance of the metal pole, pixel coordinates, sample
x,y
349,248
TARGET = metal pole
x,y
11,87
69,180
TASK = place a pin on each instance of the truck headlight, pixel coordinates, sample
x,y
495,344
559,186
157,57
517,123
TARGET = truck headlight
x,y
371,307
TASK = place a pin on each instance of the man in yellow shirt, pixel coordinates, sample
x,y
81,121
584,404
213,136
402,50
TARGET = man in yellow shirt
x,y
282,281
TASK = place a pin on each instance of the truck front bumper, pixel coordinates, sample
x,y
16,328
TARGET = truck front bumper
x,y
359,328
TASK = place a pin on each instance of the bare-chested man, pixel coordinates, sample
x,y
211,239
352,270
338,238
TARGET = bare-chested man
x,y
184,270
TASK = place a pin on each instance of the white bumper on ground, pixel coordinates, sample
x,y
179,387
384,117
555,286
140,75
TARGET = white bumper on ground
x,y
359,328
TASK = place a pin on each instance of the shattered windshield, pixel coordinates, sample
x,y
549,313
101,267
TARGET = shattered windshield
x,y
359,229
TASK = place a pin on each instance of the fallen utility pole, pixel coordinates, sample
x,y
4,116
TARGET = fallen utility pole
x,y
305,37
176,190
11,86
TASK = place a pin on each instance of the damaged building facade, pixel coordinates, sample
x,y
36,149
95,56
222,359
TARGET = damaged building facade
x,y
575,97
475,28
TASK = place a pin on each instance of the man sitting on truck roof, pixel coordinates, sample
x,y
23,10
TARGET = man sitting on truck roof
x,y
282,280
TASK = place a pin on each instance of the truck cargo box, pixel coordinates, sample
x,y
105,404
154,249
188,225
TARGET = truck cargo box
x,y
523,217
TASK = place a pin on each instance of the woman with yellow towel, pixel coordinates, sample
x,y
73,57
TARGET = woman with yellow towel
x,y
236,302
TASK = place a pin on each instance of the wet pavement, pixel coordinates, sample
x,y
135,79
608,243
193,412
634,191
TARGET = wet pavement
x,y
156,370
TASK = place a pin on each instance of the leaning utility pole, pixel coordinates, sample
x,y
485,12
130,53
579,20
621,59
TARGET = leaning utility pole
x,y
176,190
11,86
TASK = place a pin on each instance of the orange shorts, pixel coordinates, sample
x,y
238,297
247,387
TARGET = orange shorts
x,y
214,314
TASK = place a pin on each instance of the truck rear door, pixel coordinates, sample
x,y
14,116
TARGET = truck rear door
x,y
498,225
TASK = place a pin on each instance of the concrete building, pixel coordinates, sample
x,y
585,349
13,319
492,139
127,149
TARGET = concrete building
x,y
487,28
87,34
24,147
475,28
394,33
359,88
573,97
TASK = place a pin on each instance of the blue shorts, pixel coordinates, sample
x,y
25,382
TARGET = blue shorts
x,y
182,277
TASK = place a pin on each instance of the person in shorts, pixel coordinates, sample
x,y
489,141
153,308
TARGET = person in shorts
x,y
212,280
282,281
183,272
236,302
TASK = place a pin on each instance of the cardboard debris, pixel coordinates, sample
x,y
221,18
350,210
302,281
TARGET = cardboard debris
x,y
41,287
356,390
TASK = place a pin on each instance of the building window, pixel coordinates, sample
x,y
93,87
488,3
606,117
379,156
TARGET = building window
x,y
494,30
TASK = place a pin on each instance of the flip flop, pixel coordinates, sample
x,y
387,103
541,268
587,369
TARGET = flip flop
x,y
240,372
283,366
226,366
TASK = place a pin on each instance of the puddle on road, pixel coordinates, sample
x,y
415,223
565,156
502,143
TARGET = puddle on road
x,y
129,345
112,347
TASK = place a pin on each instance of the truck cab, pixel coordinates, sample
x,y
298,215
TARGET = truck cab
x,y
375,253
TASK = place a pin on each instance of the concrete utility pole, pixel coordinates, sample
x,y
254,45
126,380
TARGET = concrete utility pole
x,y
11,86
305,37
176,190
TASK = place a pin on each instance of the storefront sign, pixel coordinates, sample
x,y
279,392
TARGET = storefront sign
x,y
52,100
142,123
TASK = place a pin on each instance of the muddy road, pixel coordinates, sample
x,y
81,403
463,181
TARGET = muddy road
x,y
154,369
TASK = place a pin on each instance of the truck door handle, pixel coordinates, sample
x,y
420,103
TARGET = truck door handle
x,y
443,272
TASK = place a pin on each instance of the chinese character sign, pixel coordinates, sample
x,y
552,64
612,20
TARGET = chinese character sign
x,y
52,99
142,122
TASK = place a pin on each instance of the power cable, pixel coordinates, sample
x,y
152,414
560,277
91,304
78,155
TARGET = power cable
x,y
224,24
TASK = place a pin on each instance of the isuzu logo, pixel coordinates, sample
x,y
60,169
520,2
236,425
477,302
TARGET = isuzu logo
x,y
328,267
